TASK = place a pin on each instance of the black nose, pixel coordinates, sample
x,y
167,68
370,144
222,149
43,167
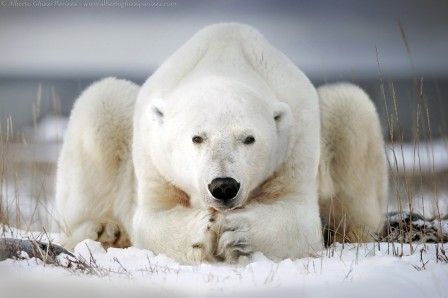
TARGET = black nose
x,y
224,188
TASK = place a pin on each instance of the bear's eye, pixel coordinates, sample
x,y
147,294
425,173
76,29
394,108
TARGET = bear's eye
x,y
249,140
197,139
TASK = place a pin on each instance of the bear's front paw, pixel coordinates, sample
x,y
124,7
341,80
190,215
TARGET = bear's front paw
x,y
233,239
111,234
204,242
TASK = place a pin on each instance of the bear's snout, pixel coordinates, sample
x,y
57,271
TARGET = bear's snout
x,y
224,189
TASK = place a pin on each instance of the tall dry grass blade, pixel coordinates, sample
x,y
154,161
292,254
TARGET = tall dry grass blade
x,y
18,211
3,214
9,130
442,109
435,191
416,157
389,124
408,50
382,91
56,102
404,174
37,105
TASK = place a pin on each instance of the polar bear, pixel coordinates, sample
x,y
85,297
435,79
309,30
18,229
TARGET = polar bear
x,y
217,156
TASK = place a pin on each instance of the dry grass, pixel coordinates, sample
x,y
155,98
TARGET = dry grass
x,y
27,171
411,184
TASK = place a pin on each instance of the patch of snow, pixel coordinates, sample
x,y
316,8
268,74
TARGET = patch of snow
x,y
423,157
51,129
424,202
367,270
26,207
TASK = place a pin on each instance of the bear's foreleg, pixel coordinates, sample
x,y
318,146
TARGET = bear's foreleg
x,y
184,234
284,229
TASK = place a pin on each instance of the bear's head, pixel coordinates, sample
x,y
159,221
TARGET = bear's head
x,y
217,139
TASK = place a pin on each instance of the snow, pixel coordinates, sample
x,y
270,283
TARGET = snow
x,y
370,270
421,157
51,129
423,202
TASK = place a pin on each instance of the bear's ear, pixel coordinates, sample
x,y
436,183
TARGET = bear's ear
x,y
282,116
157,109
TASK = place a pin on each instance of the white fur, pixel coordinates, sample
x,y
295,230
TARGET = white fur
x,y
225,84
95,183
352,180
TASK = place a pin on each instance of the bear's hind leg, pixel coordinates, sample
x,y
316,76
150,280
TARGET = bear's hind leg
x,y
353,181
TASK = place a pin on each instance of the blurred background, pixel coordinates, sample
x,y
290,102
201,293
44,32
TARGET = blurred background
x,y
51,50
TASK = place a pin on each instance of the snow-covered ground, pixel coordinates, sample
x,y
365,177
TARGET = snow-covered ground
x,y
367,270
